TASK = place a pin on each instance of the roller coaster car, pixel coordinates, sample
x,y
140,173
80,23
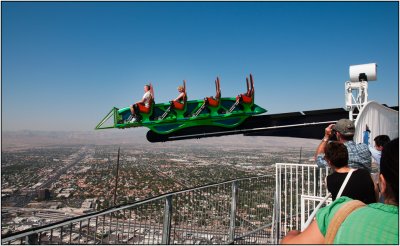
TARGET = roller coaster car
x,y
164,119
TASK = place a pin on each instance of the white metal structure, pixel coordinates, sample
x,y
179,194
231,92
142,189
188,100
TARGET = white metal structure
x,y
299,188
356,90
311,199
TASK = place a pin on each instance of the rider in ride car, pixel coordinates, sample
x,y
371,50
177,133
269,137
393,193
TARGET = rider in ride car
x,y
142,105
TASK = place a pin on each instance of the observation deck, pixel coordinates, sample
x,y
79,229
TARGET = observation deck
x,y
253,210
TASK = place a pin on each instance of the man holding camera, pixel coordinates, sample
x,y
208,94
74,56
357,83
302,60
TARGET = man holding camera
x,y
359,154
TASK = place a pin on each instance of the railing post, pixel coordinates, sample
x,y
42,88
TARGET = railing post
x,y
278,183
303,211
317,182
166,233
233,211
32,239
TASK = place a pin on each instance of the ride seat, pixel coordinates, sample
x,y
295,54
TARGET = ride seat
x,y
143,109
178,105
145,112
214,102
211,102
180,108
248,97
245,98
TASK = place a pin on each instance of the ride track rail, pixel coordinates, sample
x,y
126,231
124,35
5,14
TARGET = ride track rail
x,y
306,124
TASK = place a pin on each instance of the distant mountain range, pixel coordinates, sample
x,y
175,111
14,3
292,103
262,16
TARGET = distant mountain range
x,y
28,139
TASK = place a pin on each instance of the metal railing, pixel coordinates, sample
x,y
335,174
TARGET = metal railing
x,y
306,201
292,182
238,211
241,211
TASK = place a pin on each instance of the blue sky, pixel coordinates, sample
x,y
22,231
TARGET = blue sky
x,y
66,64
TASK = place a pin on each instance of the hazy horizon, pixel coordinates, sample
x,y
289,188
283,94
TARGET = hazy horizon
x,y
32,139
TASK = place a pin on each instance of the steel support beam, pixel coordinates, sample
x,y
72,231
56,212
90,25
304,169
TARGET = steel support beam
x,y
166,233
233,211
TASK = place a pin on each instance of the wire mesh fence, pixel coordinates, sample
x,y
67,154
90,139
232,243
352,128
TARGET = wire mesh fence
x,y
214,214
241,211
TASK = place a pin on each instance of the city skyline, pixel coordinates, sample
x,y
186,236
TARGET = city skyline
x,y
66,64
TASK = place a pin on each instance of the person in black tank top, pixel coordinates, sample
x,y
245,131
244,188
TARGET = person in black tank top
x,y
360,185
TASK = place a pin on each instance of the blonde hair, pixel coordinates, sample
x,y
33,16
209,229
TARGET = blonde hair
x,y
180,88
